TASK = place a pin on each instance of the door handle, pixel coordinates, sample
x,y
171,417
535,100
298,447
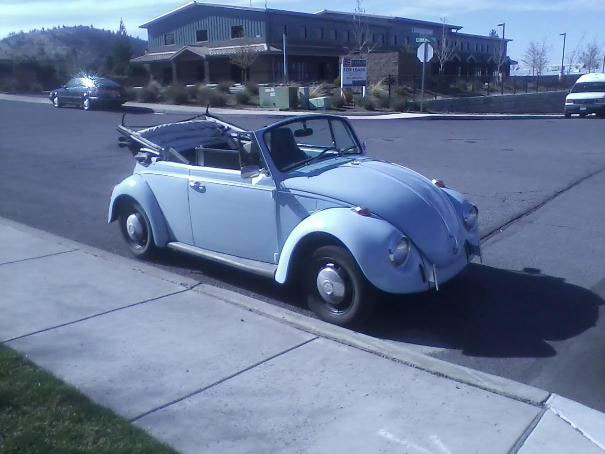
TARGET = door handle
x,y
197,186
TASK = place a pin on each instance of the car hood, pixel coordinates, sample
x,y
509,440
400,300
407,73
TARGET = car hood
x,y
406,199
587,95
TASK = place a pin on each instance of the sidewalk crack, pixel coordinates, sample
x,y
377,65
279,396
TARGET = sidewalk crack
x,y
138,303
38,257
222,380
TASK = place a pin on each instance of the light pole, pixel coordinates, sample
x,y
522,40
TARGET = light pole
x,y
564,35
501,59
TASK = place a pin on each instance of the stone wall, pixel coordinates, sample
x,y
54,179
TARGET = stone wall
x,y
539,103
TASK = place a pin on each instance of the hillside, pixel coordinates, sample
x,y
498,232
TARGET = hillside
x,y
52,55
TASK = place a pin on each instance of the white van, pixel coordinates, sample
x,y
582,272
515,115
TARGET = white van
x,y
587,96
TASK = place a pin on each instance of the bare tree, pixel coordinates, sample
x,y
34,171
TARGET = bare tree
x,y
591,56
536,57
445,46
362,33
244,57
573,56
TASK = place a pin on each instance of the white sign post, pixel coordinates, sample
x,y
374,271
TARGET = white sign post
x,y
353,72
424,54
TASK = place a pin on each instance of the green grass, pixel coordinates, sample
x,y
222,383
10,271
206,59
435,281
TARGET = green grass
x,y
42,415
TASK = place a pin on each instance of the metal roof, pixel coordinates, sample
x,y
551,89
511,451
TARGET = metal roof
x,y
153,57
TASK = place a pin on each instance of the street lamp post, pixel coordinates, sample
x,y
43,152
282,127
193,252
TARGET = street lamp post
x,y
564,35
501,59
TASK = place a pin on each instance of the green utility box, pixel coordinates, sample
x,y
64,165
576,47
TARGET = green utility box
x,y
282,97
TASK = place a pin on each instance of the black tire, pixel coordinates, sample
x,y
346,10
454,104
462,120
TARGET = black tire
x,y
583,115
567,115
142,245
359,296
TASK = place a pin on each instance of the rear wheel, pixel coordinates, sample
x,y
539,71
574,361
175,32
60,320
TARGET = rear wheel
x,y
567,115
337,290
583,115
57,102
136,230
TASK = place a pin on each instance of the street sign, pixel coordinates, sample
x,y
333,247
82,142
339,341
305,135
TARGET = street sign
x,y
422,55
422,40
353,72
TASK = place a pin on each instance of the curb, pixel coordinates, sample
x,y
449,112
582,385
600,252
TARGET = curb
x,y
192,110
398,353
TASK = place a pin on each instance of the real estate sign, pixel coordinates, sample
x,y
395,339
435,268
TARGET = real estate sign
x,y
353,72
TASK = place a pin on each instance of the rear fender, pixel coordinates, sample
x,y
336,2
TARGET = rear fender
x,y
134,188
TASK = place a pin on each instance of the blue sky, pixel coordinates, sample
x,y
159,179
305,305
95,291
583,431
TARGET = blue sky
x,y
526,20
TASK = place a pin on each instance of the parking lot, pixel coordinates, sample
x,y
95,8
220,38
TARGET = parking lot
x,y
531,312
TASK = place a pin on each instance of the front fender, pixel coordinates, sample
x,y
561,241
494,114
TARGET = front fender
x,y
135,188
367,239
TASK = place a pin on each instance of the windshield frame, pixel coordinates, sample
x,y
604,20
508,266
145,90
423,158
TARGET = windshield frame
x,y
264,134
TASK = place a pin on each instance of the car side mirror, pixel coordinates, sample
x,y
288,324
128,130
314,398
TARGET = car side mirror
x,y
143,158
250,171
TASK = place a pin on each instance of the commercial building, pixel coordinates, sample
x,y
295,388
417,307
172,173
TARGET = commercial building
x,y
201,41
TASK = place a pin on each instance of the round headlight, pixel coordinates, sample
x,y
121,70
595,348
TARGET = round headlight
x,y
471,215
399,253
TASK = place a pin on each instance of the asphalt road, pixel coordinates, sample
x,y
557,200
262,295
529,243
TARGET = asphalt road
x,y
539,181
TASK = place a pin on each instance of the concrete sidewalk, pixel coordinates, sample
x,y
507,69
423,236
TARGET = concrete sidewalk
x,y
208,370
194,110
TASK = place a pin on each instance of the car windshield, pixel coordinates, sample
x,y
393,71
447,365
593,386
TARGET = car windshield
x,y
106,83
586,87
301,142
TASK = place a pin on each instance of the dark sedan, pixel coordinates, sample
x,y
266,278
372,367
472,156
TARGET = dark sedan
x,y
89,92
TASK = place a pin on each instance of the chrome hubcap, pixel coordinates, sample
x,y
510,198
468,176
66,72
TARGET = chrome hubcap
x,y
331,284
86,103
56,101
134,228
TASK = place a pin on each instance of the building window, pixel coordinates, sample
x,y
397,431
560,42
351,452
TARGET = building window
x,y
335,35
237,31
201,35
468,46
348,36
169,39
394,40
322,34
303,32
382,39
407,40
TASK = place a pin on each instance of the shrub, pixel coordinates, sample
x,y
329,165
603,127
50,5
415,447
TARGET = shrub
x,y
176,94
207,96
252,88
191,91
243,97
225,86
399,104
320,90
337,102
337,82
368,103
151,92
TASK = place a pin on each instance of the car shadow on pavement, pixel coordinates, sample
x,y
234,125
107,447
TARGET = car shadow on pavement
x,y
491,312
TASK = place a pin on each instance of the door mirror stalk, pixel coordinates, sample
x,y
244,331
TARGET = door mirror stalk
x,y
250,171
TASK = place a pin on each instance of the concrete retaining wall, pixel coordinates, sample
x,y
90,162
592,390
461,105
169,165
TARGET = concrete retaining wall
x,y
539,103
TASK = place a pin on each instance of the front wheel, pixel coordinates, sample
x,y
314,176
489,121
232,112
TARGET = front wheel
x,y
86,104
337,290
137,232
57,102
567,115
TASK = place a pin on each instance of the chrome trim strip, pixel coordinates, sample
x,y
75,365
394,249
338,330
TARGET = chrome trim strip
x,y
229,183
252,266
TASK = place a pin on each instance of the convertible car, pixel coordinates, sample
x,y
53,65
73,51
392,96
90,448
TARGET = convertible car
x,y
298,200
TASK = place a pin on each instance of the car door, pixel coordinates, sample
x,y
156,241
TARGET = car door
x,y
71,91
231,214
168,182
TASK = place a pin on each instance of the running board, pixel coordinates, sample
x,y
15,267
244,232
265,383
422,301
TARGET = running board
x,y
252,266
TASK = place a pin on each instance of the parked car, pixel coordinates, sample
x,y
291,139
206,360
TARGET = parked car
x,y
295,201
89,92
587,96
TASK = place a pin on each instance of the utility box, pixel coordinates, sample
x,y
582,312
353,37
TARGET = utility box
x,y
303,98
281,97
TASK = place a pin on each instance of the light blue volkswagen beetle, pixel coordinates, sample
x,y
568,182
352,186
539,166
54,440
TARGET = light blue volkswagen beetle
x,y
295,201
